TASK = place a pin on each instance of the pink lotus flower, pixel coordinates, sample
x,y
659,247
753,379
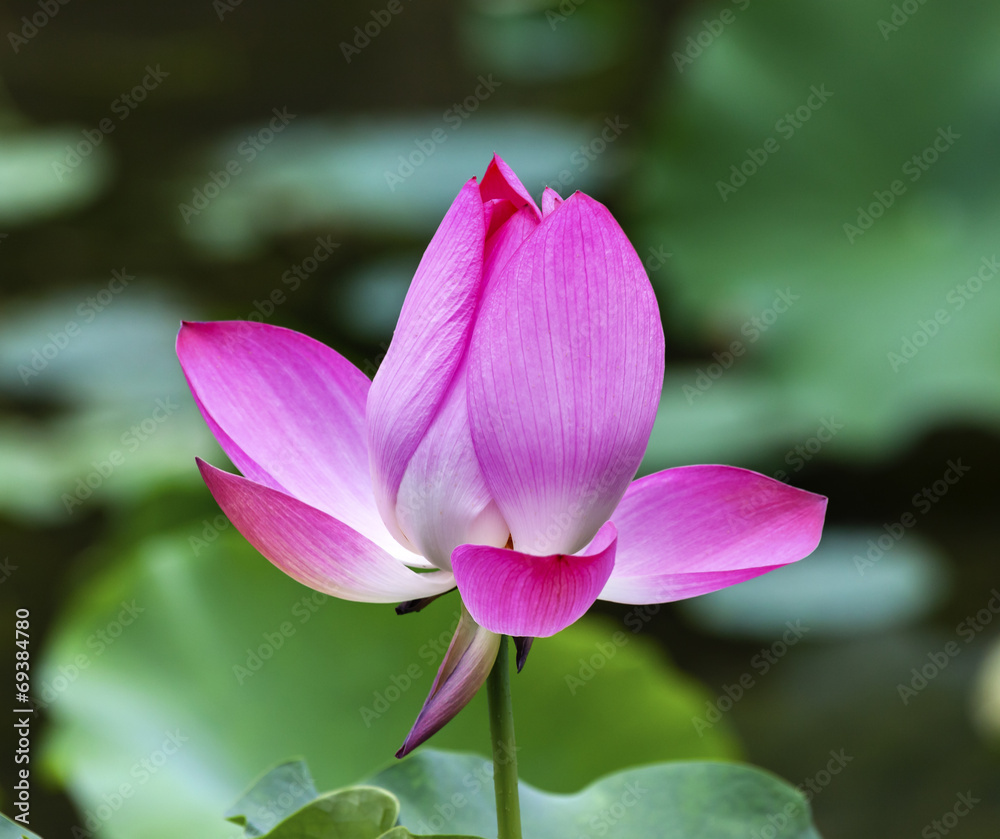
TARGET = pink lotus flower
x,y
497,445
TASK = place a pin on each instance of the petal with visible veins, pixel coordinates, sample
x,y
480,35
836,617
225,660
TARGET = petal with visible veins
x,y
565,374
463,671
427,348
696,529
314,548
521,594
290,413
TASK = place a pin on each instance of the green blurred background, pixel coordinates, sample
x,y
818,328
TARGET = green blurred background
x,y
814,190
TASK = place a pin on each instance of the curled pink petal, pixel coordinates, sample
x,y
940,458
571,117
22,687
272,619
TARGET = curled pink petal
x,y
314,548
289,412
501,182
463,671
521,594
695,529
565,374
427,347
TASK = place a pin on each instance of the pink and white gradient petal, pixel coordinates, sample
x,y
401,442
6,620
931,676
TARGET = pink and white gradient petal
x,y
696,529
463,671
289,412
314,548
427,348
565,374
513,593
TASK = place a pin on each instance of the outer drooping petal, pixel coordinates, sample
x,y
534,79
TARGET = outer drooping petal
x,y
313,547
565,373
463,671
289,412
696,529
427,347
523,594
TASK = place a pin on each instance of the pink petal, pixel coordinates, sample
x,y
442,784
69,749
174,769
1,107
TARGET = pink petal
x,y
289,412
501,182
314,548
463,671
550,200
522,594
495,212
443,501
503,244
695,529
427,348
565,374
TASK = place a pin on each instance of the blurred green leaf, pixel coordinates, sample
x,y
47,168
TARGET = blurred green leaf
x,y
195,662
274,797
353,813
31,185
749,180
10,829
374,176
668,800
857,582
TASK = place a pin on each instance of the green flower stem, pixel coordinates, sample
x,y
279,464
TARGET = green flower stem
x,y
504,747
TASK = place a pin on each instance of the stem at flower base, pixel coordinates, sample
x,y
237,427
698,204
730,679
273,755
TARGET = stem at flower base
x,y
504,747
